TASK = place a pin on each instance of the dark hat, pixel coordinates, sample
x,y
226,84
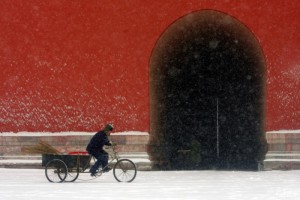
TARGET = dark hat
x,y
108,127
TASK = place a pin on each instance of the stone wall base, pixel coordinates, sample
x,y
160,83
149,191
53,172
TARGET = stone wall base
x,y
283,154
15,143
284,150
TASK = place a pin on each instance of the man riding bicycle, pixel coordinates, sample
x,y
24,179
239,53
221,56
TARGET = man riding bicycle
x,y
95,148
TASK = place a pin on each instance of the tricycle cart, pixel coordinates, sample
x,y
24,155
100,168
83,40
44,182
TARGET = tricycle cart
x,y
66,168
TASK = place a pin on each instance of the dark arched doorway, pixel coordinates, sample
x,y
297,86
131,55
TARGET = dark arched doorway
x,y
207,91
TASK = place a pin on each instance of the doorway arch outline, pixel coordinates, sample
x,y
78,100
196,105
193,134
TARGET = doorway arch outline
x,y
207,85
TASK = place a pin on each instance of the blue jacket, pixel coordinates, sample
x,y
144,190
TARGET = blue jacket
x,y
97,142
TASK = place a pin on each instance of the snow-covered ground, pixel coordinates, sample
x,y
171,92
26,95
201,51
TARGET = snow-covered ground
x,y
31,184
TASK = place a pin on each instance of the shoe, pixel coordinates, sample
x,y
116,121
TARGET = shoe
x,y
107,169
93,174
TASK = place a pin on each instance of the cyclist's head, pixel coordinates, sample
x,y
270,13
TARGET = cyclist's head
x,y
108,127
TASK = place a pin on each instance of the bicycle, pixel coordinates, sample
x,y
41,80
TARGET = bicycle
x,y
66,168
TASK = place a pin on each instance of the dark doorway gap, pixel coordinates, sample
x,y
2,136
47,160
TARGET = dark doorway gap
x,y
207,93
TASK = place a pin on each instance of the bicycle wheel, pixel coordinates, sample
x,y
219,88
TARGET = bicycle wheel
x,y
56,171
72,175
124,170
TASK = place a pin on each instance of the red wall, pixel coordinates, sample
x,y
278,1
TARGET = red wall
x,y
74,65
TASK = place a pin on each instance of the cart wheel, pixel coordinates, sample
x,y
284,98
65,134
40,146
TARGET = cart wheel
x,y
124,170
72,175
56,171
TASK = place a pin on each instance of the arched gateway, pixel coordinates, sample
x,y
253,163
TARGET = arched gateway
x,y
207,95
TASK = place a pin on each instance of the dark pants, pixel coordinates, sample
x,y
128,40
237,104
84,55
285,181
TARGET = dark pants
x,y
102,161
